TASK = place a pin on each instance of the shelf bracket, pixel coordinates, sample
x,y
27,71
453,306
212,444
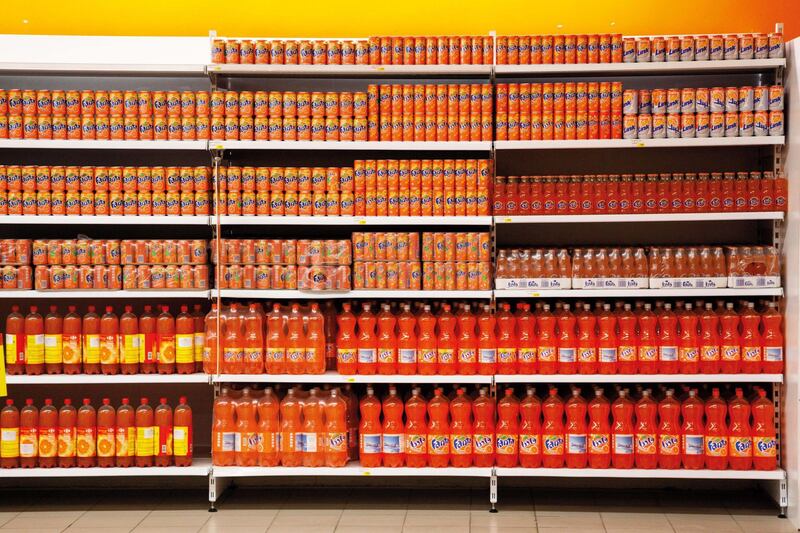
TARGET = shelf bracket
x,y
493,491
216,488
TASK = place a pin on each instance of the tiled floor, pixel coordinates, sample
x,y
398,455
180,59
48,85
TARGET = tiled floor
x,y
388,511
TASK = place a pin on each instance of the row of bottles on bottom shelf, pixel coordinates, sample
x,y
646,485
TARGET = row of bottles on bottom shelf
x,y
65,437
639,429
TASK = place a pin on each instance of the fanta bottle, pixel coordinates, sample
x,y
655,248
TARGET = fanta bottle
x,y
34,342
346,343
184,345
446,352
507,340
627,341
352,421
607,341
370,430
367,342
416,431
688,345
335,430
772,339
406,342
716,434
275,357
667,341
483,410
269,428
740,438
438,430
109,342
646,452
575,430
232,342
566,341
47,445
71,342
393,430
125,445
750,340
530,430
622,431
248,437
253,338
329,328
148,342
162,439
553,430
223,431
587,341
53,341
387,341
669,432
507,430
295,343
647,351
467,359
548,342
165,328
599,438
709,341
765,445
315,341
9,426
730,345
313,440
526,343
487,342
86,440
211,360
427,346
461,430
291,446
692,432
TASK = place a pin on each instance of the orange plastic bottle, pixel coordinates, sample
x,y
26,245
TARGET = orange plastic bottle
x,y
647,352
607,341
90,332
427,343
125,442
295,343
689,343
247,436
483,410
367,342
692,438
290,446
106,434
145,434
447,345
198,319
15,342
28,434
487,341
438,429
416,431
335,430
211,360
313,432
669,432
223,431
507,343
765,445
329,327
575,430
184,342
667,341
750,340
507,430
740,438
182,433
128,342
275,356
553,430
232,344
393,431
730,345
567,341
165,329
530,430
526,348
269,427
34,342
72,342
587,341
370,431
599,438
716,434
622,432
67,418
346,343
162,437
406,342
460,430
9,435
148,342
467,359
772,340
548,342
315,343
387,341
709,341
53,341
109,342
646,452
48,435
627,341
86,431
352,421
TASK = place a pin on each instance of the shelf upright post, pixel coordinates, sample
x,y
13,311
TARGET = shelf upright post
x,y
493,490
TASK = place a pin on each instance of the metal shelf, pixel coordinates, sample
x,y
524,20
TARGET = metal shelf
x,y
410,146
638,378
89,293
353,469
335,377
103,379
278,294
102,69
628,293
639,143
44,144
228,220
641,473
667,68
200,468
103,220
652,217
349,71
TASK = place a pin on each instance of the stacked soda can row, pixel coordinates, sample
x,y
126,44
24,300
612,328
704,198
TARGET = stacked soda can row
x,y
702,47
117,277
104,203
560,110
386,261
449,246
115,252
640,193
290,277
303,252
559,49
15,260
703,112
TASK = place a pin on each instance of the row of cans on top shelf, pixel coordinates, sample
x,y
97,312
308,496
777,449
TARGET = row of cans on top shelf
x,y
115,252
302,252
104,203
117,277
702,100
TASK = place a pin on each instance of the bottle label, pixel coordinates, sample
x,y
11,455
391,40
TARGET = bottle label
x,y
566,355
648,354
527,355
506,444
34,349
693,445
688,354
126,441
576,444
48,442
184,348
445,355
623,444
646,443
487,355
278,355
145,446
387,355
166,349
669,444
438,445
765,447
222,441
416,444
337,442
506,355
716,446
251,355
267,444
731,353
371,443
599,443
751,353
246,441
9,443
130,348
740,446
28,441
53,348
667,353
467,355
709,353
295,356
553,444
199,345
180,441
483,444
367,355
86,442
529,444
15,350
427,356
66,442
393,443
608,355
109,349
91,349
773,354
627,354
147,348
407,356
461,444
310,442
288,443
587,355
105,441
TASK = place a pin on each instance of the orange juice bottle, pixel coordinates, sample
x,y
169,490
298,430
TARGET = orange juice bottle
x,y
198,320
315,341
28,434
370,431
276,342
387,341
162,433
211,362
335,408
291,449
34,342
67,416
165,330
223,431
86,435
53,341
148,348
313,440
182,433
184,341
128,342
295,342
269,429
106,434
253,340
346,344
109,342
145,434
71,342
125,442
48,435
9,429
90,330
15,342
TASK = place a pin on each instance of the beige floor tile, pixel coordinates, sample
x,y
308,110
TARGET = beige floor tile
x,y
96,530
165,519
699,523
636,521
570,519
31,530
369,529
217,528
439,529
431,518
296,517
43,519
302,529
572,529
765,525
373,518
168,529
243,517
6,516
504,518
501,529
118,519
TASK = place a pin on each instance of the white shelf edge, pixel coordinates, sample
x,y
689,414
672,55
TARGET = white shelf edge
x,y
626,293
653,217
102,145
200,467
672,67
639,143
641,473
279,294
638,378
349,470
102,379
474,146
227,220
333,377
131,220
89,293
347,70
142,69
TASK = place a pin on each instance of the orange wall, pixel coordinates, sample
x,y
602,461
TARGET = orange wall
x,y
310,18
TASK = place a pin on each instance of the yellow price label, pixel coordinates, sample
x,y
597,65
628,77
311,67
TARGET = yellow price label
x,y
218,147
367,473
362,221
535,294
639,144
351,380
507,219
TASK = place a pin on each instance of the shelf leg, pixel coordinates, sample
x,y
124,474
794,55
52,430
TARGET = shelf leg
x,y
493,492
783,490
216,487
